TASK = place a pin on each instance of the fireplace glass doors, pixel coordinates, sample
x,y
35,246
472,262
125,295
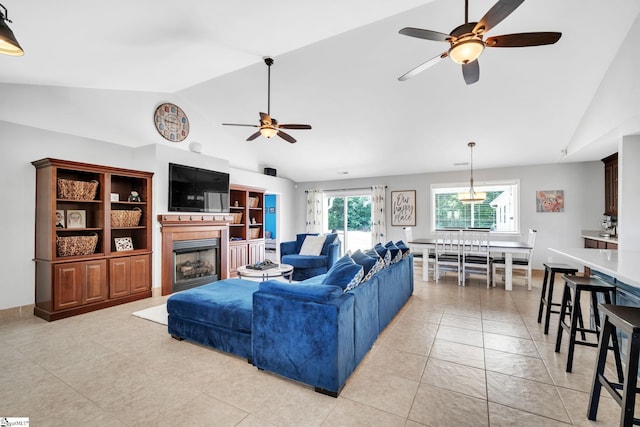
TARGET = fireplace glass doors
x,y
195,263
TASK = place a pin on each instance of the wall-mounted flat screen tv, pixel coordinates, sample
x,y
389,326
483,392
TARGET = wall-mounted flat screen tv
x,y
197,190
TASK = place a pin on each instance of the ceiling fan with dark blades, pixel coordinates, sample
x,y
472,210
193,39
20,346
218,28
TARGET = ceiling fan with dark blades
x,y
467,40
269,126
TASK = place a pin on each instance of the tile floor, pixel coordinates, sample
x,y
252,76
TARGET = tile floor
x,y
452,357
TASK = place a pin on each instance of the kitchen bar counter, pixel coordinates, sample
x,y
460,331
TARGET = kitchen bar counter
x,y
624,266
595,235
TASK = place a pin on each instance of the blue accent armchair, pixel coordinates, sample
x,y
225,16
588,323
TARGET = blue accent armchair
x,y
306,266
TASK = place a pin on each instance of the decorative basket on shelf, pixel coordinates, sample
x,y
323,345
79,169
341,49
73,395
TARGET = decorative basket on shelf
x,y
253,202
126,218
254,233
237,217
76,245
77,190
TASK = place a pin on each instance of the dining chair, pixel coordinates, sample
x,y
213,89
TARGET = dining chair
x,y
520,264
447,253
425,257
476,257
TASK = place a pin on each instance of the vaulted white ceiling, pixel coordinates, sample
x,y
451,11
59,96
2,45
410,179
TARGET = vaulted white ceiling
x,y
99,69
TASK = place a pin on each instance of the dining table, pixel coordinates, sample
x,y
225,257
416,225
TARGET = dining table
x,y
506,247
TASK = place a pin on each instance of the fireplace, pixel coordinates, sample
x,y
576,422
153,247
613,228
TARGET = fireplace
x,y
195,263
195,250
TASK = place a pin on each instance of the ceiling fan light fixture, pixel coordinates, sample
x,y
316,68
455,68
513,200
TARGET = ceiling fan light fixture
x,y
268,131
8,43
466,50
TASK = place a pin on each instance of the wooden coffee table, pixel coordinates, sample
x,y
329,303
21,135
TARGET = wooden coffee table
x,y
282,270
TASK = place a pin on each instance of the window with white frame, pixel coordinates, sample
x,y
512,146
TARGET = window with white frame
x,y
497,212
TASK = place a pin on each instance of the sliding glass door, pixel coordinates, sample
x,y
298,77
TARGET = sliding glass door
x,y
349,215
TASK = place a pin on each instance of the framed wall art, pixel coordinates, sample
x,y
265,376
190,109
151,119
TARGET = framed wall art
x,y
123,244
403,208
550,201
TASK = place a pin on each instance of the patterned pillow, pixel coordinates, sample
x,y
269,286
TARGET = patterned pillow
x,y
379,261
396,254
368,263
384,253
403,248
344,273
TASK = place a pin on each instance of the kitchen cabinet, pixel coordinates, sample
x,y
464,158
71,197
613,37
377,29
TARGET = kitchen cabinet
x,y
611,185
599,244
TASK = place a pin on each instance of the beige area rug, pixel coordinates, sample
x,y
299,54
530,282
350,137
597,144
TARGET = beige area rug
x,y
156,314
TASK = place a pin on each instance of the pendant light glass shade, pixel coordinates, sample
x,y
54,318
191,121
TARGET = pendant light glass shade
x,y
472,196
8,43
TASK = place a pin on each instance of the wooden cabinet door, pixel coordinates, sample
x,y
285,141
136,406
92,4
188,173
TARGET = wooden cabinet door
x,y
119,277
590,243
67,284
95,281
140,273
611,185
256,252
237,257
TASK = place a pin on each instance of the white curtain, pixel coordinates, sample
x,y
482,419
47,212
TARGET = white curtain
x,y
379,226
314,211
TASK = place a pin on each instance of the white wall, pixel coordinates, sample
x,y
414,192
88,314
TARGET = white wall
x,y
25,144
583,185
629,194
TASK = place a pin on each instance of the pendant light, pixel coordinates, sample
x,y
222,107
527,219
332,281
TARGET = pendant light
x,y
472,196
8,43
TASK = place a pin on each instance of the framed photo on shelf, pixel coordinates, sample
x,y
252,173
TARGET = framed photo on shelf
x,y
403,208
60,219
115,197
76,218
123,244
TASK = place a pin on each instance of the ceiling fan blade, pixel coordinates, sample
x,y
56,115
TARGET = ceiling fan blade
x,y
290,126
237,124
425,34
420,68
523,39
496,14
253,136
286,137
471,72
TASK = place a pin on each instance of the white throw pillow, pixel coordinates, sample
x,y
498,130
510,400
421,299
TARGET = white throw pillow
x,y
312,245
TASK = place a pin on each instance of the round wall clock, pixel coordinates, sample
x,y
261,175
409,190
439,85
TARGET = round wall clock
x,y
171,122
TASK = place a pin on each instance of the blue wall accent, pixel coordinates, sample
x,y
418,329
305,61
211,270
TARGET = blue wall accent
x,y
270,214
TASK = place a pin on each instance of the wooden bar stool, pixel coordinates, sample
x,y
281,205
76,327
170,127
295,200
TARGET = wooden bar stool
x,y
546,295
627,320
571,307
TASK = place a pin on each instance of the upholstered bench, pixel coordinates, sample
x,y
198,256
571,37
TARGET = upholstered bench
x,y
217,315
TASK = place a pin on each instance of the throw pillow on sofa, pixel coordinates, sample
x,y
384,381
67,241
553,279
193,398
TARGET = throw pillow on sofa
x,y
379,261
344,273
368,263
396,255
312,245
403,248
384,253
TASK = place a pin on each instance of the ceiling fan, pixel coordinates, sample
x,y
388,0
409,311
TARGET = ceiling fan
x,y
467,40
269,126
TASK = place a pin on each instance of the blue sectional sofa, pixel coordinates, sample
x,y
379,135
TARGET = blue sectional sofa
x,y
314,331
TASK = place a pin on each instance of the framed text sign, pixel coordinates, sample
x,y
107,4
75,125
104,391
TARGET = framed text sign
x,y
403,208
